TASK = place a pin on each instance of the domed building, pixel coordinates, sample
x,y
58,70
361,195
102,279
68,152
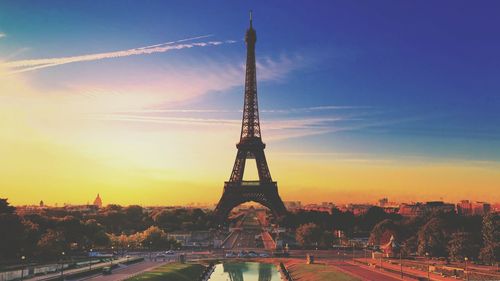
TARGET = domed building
x,y
98,201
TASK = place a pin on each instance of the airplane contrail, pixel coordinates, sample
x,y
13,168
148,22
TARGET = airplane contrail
x,y
33,64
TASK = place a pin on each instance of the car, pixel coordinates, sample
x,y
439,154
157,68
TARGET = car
x,y
252,254
107,270
264,255
169,252
160,256
230,255
242,254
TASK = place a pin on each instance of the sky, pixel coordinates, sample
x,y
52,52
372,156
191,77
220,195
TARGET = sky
x,y
141,101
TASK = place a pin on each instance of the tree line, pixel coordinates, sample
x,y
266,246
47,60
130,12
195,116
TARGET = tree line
x,y
433,234
45,235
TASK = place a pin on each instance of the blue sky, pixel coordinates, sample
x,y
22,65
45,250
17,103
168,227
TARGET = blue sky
x,y
383,80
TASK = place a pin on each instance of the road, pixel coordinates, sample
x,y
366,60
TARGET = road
x,y
363,273
249,233
126,272
73,271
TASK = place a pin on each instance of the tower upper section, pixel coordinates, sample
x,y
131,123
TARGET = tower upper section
x,y
250,127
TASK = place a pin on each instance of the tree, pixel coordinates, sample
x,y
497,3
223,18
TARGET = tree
x,y
327,239
182,219
73,229
95,234
308,234
342,220
136,219
156,238
11,231
382,232
373,216
490,252
461,245
409,246
433,238
5,207
51,244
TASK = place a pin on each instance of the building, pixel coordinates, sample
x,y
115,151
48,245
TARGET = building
x,y
388,206
98,201
319,208
439,206
357,209
292,205
417,209
411,210
468,208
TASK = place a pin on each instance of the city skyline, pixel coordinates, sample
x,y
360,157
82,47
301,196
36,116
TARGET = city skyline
x,y
354,108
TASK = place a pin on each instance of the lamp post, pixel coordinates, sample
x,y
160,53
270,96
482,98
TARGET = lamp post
x,y
62,265
128,250
90,259
428,267
112,255
23,258
364,250
466,272
401,263
150,249
352,251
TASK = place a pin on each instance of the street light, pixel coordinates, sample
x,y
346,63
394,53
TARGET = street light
x,y
428,267
466,272
112,255
62,265
128,252
150,249
352,251
22,266
401,263
90,259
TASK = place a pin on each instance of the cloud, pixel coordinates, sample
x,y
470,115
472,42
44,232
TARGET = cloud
x,y
2,35
287,110
274,129
33,64
170,86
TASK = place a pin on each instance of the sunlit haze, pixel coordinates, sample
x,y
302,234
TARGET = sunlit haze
x,y
141,101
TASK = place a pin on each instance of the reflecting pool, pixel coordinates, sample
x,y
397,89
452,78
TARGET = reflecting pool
x,y
245,271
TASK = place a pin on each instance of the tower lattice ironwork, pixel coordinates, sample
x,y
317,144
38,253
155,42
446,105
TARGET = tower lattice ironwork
x,y
250,146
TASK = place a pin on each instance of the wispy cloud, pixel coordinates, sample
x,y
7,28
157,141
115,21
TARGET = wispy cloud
x,y
167,120
2,35
275,129
287,110
33,64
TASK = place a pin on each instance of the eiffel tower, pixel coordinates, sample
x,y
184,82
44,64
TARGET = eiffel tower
x,y
236,190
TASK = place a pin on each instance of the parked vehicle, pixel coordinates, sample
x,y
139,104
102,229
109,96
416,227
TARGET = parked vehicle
x,y
231,255
252,254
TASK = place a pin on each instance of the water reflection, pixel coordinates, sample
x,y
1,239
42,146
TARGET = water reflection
x,y
245,271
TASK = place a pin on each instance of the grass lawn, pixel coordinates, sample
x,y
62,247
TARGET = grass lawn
x,y
319,272
171,272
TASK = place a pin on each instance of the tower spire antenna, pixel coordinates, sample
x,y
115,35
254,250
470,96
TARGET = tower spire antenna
x,y
250,18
